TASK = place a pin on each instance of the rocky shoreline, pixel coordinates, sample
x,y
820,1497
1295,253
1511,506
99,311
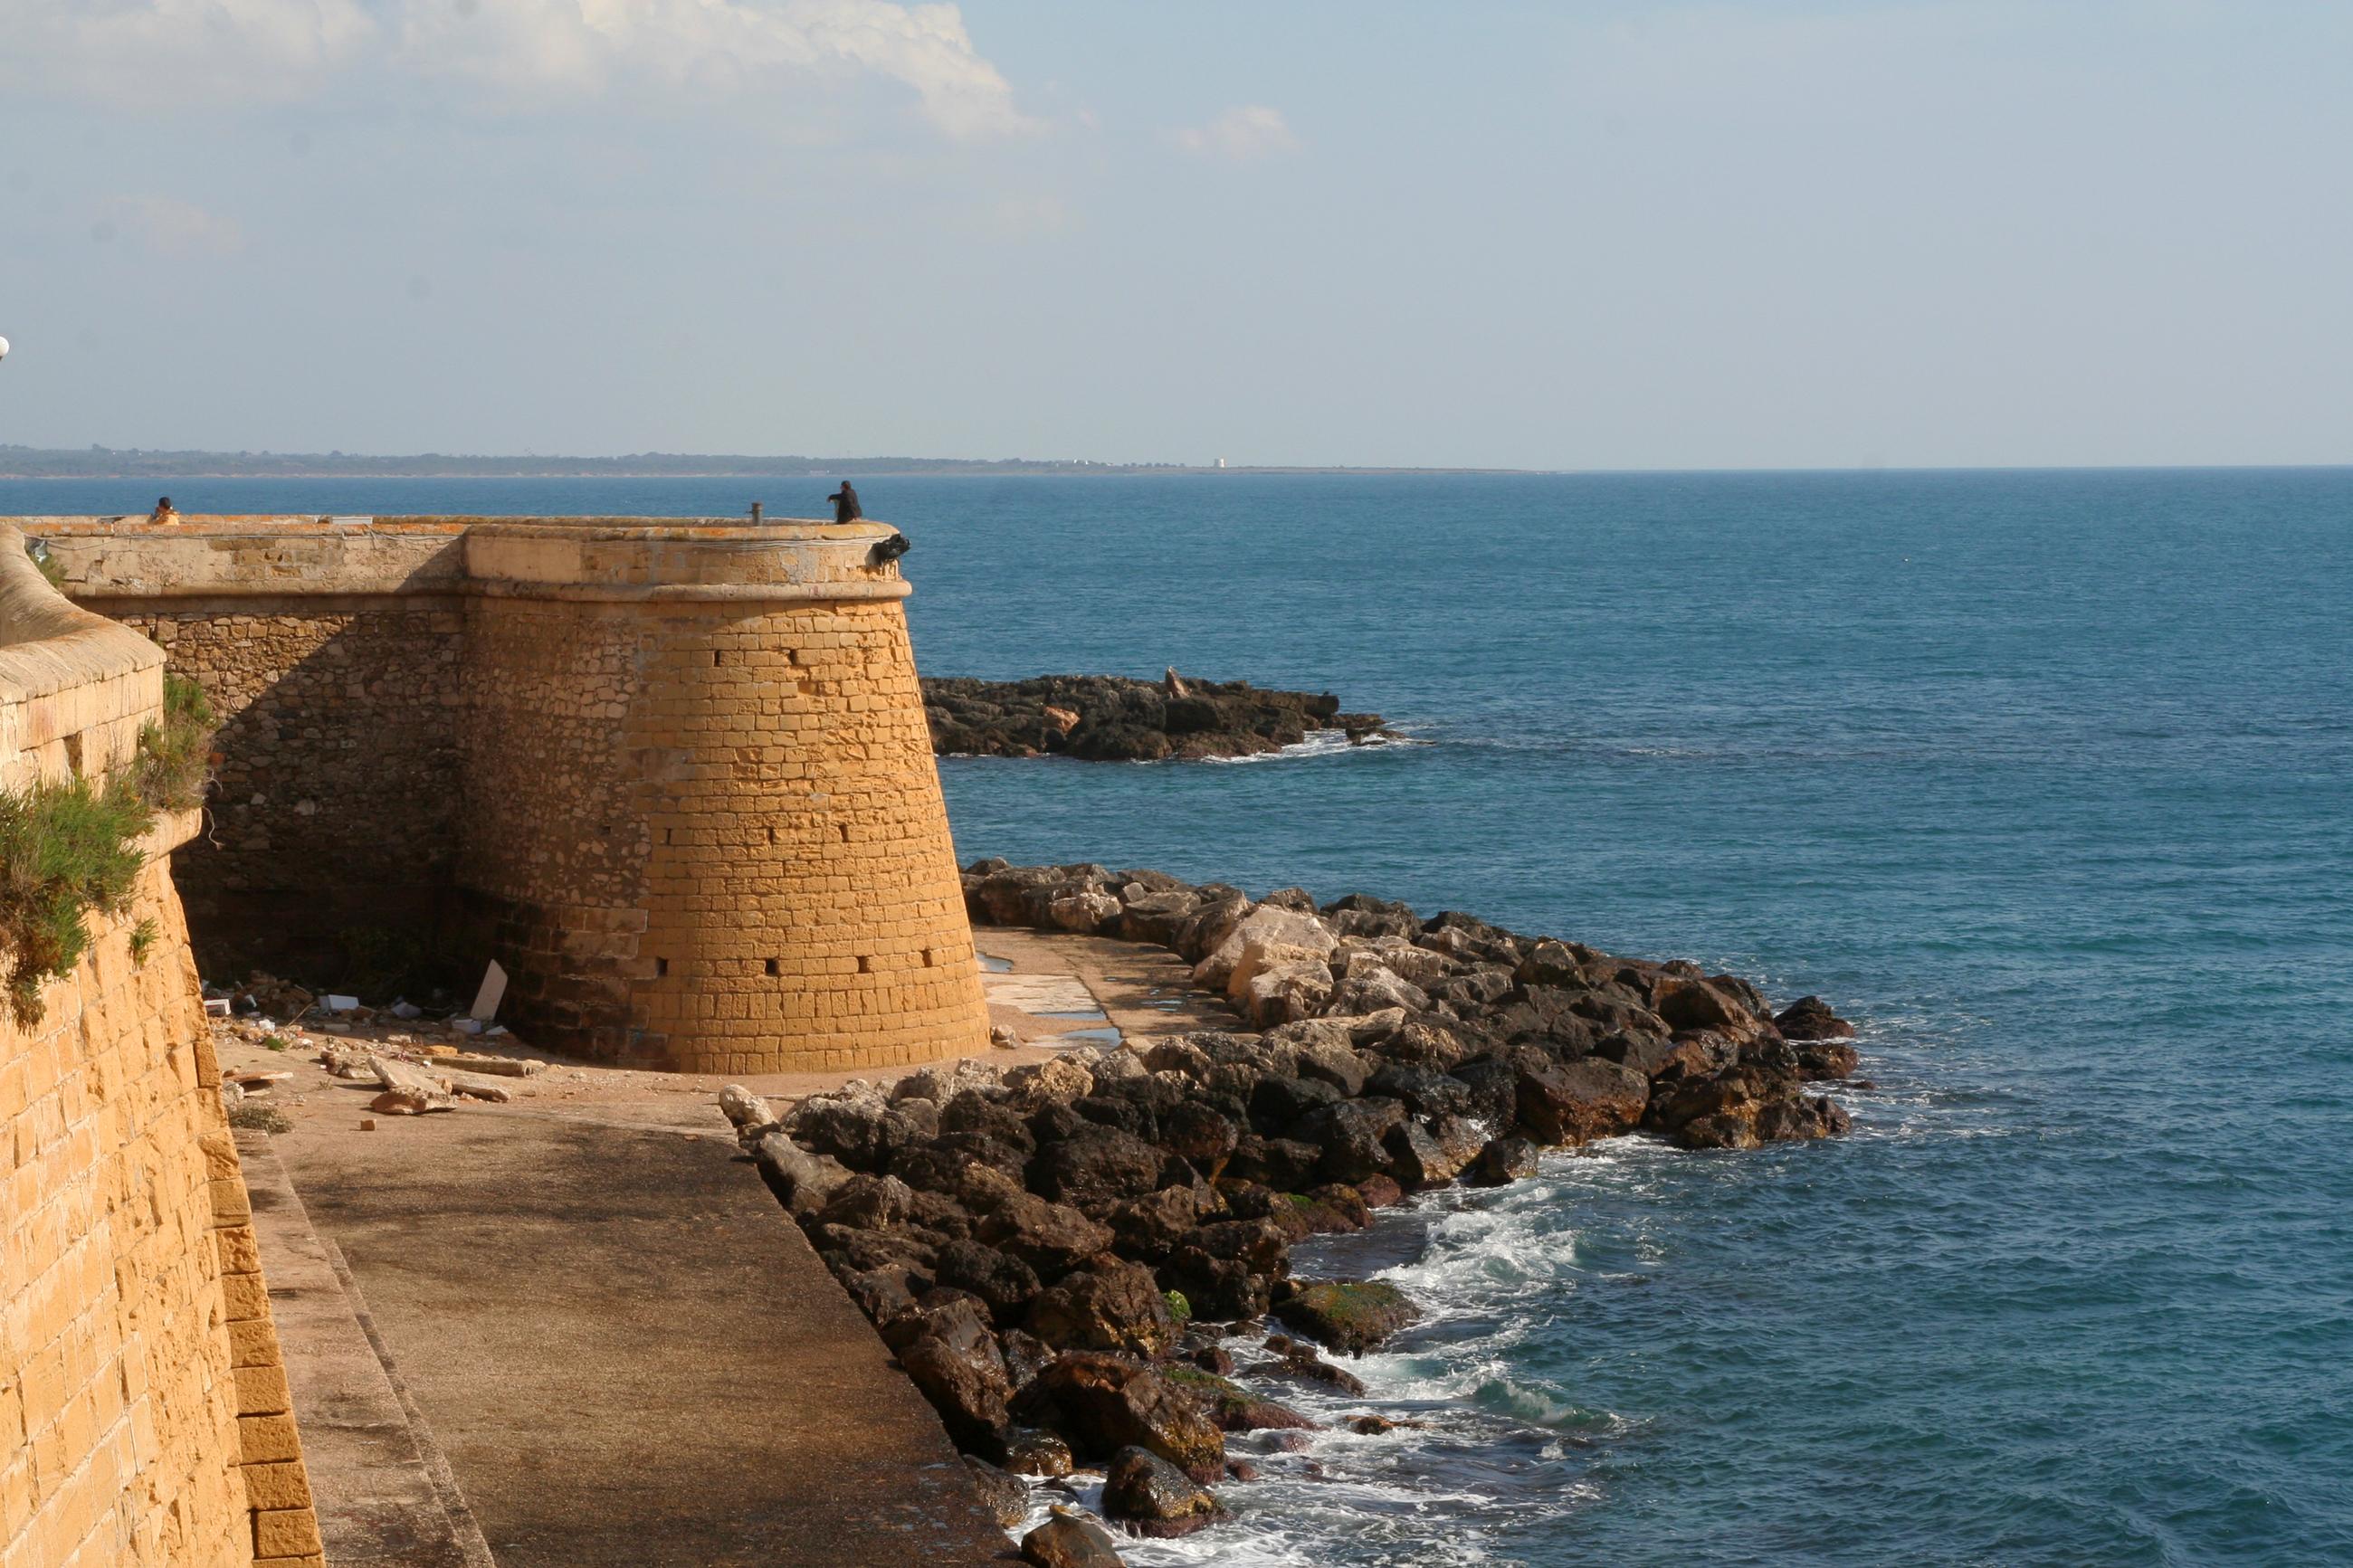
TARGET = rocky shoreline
x,y
1115,718
1047,1248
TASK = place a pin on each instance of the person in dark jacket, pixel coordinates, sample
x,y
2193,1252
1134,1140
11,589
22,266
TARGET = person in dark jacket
x,y
845,504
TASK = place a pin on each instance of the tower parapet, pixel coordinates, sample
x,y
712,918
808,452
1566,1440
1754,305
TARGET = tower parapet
x,y
673,775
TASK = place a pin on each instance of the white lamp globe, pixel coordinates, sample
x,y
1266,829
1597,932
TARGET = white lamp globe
x,y
4,348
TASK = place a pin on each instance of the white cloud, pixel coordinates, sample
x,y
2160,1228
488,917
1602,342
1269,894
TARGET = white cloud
x,y
1249,131
163,52
527,52
708,48
174,228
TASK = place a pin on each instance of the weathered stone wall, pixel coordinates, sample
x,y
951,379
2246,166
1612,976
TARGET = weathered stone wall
x,y
144,1417
675,777
334,824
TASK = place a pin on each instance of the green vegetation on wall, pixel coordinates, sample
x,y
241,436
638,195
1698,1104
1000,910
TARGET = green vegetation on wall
x,y
71,849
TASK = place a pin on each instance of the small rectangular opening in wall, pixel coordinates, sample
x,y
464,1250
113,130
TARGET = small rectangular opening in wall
x,y
772,836
661,967
844,829
714,658
927,958
865,966
775,969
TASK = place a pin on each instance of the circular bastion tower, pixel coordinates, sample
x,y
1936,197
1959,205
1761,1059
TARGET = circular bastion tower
x,y
674,776
703,822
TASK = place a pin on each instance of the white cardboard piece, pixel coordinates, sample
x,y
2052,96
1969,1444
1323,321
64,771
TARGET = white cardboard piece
x,y
493,991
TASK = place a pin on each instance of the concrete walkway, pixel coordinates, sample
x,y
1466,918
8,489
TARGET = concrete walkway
x,y
627,1352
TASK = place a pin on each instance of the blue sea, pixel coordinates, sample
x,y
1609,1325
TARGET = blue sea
x,y
2043,779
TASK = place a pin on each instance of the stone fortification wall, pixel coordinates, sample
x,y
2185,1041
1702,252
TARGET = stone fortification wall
x,y
675,777
143,1416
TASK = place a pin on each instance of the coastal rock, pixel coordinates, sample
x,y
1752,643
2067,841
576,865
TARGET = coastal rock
x,y
1029,1451
1108,718
1004,1282
1295,988
954,1361
1348,1317
804,1182
1248,945
1085,913
1361,914
1052,1239
1701,1004
1233,1407
859,1131
1110,1305
1581,1100
1069,1539
868,1202
1828,1059
1371,986
1811,1018
1057,1079
1093,1168
1151,1496
1432,1154
1299,1362
1503,1161
743,1108
1351,1136
1106,1402
1153,1227
1006,1497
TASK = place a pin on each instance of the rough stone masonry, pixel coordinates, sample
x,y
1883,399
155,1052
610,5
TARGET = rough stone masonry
x,y
675,776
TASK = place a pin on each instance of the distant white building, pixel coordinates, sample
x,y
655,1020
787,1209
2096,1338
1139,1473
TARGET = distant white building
x,y
1221,462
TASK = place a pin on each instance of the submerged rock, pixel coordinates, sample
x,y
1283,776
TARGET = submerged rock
x,y
1149,1496
1349,1317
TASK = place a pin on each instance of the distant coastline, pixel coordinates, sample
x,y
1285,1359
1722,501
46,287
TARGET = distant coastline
x,y
132,463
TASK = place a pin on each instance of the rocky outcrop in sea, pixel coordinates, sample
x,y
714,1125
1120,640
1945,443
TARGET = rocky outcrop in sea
x,y
1111,718
1045,1248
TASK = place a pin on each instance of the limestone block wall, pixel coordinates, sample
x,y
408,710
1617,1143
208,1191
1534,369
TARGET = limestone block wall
x,y
674,776
336,816
143,1410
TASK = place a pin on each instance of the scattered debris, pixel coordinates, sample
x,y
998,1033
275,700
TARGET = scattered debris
x,y
1003,1037
367,1123
402,1082
256,1082
474,1086
216,1006
335,1003
505,1066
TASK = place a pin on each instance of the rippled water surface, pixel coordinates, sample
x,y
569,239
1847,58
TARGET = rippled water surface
x,y
2042,778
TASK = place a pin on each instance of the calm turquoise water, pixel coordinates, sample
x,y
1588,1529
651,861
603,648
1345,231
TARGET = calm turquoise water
x,y
2042,778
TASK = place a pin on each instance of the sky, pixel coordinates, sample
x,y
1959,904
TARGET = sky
x,y
1623,234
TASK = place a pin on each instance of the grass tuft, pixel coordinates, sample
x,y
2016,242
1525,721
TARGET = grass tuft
x,y
259,1117
66,850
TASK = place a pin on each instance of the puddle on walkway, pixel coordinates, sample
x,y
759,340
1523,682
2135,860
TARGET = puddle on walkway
x,y
993,964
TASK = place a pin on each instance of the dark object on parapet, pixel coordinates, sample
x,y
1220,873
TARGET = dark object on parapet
x,y
845,504
886,551
164,511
